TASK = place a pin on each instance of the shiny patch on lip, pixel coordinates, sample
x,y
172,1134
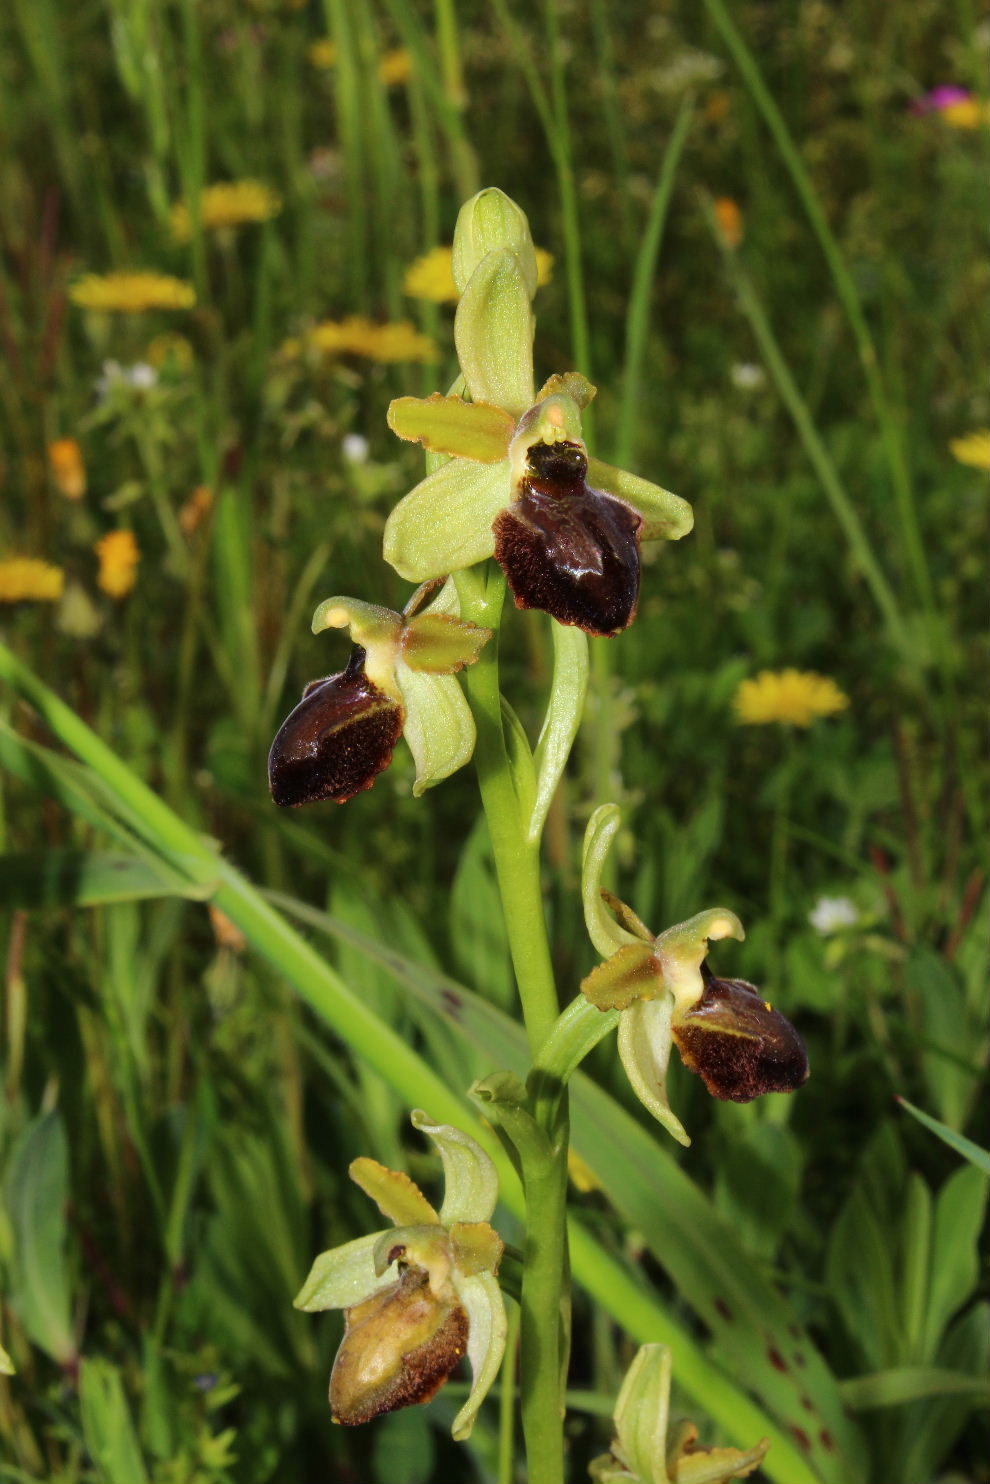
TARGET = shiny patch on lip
x,y
568,549
739,1045
336,741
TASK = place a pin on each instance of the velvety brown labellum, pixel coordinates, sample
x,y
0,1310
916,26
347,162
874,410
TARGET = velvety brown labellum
x,y
739,1045
399,1348
568,549
337,740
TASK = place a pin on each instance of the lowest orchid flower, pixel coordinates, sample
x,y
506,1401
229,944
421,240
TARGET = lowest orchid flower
x,y
517,482
646,1450
723,1028
399,681
419,1295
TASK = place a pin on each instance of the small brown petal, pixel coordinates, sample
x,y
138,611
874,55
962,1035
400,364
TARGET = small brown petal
x,y
399,1348
568,549
739,1044
336,741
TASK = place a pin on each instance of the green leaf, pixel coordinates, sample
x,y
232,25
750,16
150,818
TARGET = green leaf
x,y
37,1192
107,1427
976,1156
960,1210
85,878
908,1384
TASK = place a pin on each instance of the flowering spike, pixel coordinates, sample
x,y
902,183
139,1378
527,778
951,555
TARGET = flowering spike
x,y
491,221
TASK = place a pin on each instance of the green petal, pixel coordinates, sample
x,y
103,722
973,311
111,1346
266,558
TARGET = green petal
x,y
644,1046
468,430
439,727
470,1177
632,973
484,1305
568,384
395,1195
440,644
603,930
493,332
341,1277
681,951
667,516
445,523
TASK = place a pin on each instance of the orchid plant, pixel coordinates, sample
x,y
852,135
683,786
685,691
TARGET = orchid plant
x,y
513,500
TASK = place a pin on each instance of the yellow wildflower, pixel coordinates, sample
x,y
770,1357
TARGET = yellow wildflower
x,y
432,275
796,697
730,221
68,470
973,449
395,67
323,53
27,579
229,204
119,556
967,113
131,293
358,336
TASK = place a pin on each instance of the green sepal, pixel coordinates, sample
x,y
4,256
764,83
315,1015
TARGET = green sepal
x,y
493,333
438,727
469,430
603,930
560,726
482,1301
568,384
440,644
395,1195
470,1177
445,523
666,517
341,1277
626,917
644,1043
489,221
681,951
632,973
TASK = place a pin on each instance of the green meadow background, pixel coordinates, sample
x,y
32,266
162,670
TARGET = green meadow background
x,y
184,1088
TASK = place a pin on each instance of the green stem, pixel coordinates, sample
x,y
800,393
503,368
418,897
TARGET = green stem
x,y
517,861
545,1302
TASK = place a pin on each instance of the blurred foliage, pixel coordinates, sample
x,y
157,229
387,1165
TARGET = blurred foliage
x,y
176,1127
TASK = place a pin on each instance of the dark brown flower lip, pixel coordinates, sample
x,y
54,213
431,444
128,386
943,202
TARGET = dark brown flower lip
x,y
568,549
739,1044
336,741
399,1348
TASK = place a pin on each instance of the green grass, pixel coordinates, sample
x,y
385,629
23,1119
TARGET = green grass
x,y
181,1105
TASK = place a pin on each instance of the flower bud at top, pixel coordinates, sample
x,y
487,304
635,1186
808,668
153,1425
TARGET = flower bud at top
x,y
486,223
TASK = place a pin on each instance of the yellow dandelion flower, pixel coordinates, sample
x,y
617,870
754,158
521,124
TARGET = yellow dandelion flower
x,y
730,221
119,557
358,336
973,449
131,293
68,469
581,1173
432,275
28,579
229,204
323,53
395,67
796,697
